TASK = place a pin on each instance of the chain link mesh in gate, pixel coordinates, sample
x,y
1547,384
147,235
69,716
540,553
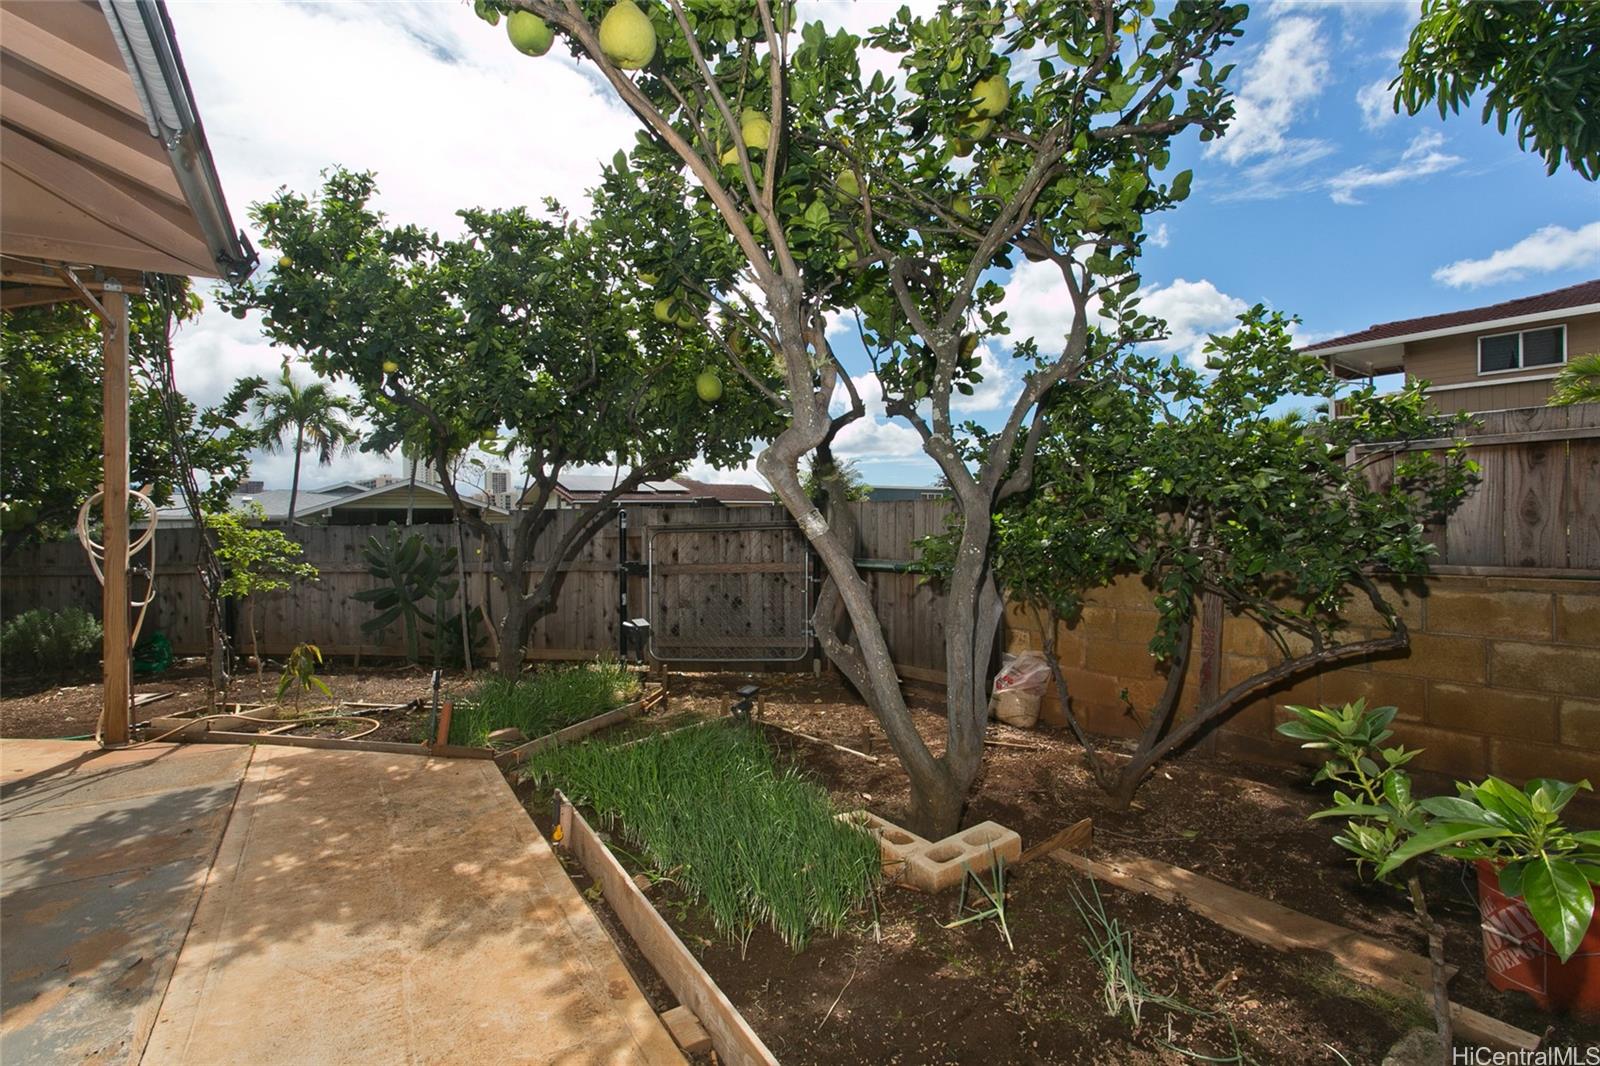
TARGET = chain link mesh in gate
x,y
729,593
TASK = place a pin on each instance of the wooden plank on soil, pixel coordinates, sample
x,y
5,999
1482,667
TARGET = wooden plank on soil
x,y
735,1042
1079,836
1276,926
518,755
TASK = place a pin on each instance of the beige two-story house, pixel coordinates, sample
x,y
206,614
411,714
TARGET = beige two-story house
x,y
1489,358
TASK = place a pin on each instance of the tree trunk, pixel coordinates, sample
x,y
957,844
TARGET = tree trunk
x,y
1436,964
411,491
294,483
514,628
255,649
937,802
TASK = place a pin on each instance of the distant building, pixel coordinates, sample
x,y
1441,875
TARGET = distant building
x,y
578,490
904,493
1489,358
351,503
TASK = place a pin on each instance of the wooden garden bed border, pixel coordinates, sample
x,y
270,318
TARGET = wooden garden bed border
x,y
505,760
1277,926
514,757
735,1042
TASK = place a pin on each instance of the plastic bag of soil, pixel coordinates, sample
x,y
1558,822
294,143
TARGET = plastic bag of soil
x,y
1018,688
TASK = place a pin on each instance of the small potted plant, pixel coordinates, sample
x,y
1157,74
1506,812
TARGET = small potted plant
x,y
1536,885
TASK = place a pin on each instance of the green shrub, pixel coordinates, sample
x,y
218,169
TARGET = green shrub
x,y
50,643
709,810
541,702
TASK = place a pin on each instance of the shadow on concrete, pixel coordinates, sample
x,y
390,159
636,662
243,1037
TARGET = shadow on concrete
x,y
361,907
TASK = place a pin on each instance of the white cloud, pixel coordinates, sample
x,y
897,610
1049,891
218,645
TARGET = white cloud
x,y
434,100
1376,103
1287,73
1161,237
1192,310
1037,305
1424,156
998,389
1542,251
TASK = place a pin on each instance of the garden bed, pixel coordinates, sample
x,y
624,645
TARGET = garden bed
x,y
924,993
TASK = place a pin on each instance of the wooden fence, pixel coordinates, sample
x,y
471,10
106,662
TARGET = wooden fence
x,y
1536,512
711,561
1536,509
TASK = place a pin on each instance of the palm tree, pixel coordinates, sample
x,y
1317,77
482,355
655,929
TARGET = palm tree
x,y
313,417
1578,382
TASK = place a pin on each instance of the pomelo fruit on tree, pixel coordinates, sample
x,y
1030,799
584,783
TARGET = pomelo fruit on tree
x,y
530,34
755,129
665,311
627,37
648,279
990,96
848,184
708,386
390,366
285,262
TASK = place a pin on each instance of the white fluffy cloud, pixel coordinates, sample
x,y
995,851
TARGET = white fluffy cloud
x,y
1280,82
1424,156
432,99
1193,310
1376,103
1037,305
1542,251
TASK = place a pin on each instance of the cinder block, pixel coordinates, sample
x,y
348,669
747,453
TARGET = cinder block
x,y
1565,670
1578,619
938,866
1133,626
895,845
1490,614
1580,724
1408,694
1459,659
1519,761
1496,712
1461,755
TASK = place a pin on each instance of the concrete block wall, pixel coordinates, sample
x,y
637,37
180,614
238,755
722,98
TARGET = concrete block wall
x,y
1503,676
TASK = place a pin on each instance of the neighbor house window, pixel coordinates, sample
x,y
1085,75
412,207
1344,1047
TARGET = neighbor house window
x,y
1520,351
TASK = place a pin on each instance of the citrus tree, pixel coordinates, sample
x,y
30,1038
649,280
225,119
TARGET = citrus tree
x,y
1189,479
523,336
50,436
781,185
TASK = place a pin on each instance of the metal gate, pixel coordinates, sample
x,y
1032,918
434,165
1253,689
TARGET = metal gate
x,y
729,593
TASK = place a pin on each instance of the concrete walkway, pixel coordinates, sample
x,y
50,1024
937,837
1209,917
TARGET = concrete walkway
x,y
379,909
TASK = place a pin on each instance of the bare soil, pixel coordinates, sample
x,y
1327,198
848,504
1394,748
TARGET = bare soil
x,y
900,988
904,989
37,709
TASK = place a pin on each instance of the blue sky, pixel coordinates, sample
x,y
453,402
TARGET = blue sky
x,y
1321,202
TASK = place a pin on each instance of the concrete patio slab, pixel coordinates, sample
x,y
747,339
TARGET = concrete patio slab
x,y
102,859
392,909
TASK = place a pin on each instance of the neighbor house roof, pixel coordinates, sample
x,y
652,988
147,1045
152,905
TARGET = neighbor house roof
x,y
1377,349
725,492
105,163
275,502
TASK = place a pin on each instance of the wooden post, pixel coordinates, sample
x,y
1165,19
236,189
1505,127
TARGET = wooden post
x,y
116,655
442,736
1211,623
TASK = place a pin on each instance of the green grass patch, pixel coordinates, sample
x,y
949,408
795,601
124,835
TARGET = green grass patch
x,y
709,809
541,702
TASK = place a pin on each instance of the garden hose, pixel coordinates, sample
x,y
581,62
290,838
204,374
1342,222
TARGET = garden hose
x,y
372,724
97,553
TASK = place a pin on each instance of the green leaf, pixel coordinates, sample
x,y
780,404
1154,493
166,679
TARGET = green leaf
x,y
1439,835
1561,901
